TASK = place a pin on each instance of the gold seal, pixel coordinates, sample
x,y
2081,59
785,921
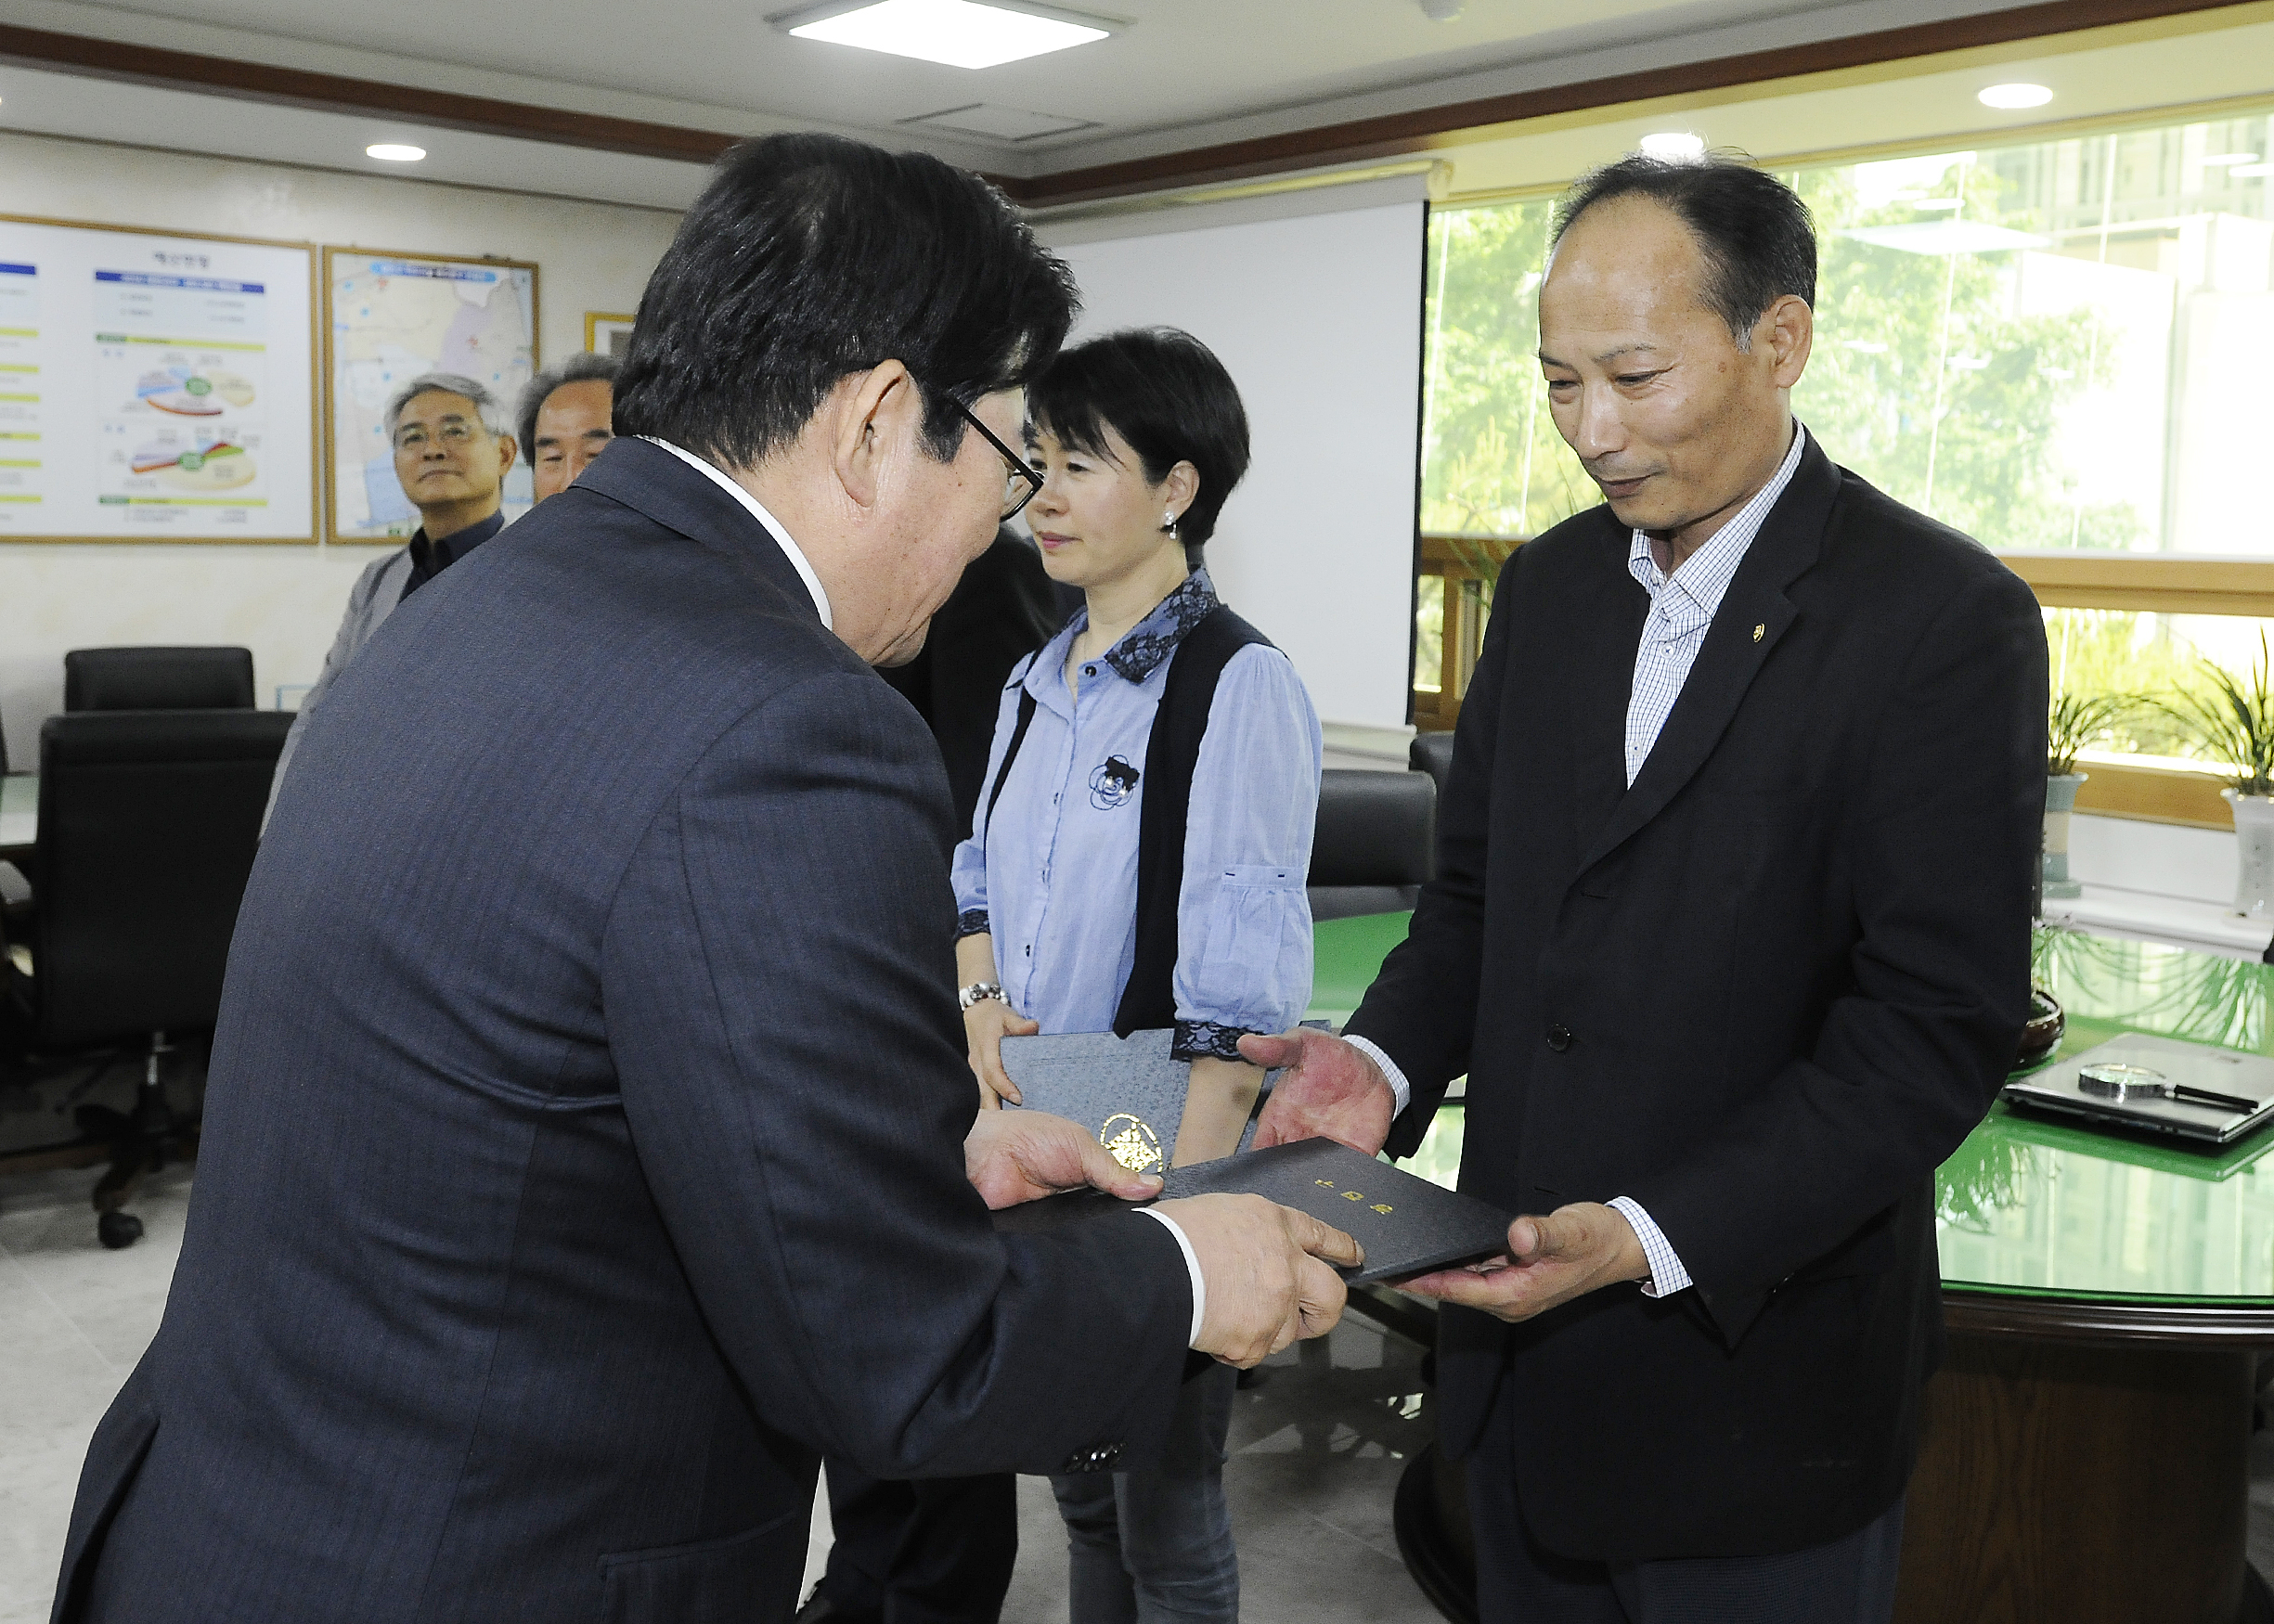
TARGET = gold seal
x,y
1132,1142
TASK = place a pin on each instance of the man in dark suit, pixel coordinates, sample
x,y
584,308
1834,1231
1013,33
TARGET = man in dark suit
x,y
942,1550
1003,609
589,1139
1731,939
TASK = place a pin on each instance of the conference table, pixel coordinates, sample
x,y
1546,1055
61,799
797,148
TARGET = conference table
x,y
2108,1301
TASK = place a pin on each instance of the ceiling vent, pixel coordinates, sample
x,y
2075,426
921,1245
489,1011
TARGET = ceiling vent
x,y
991,123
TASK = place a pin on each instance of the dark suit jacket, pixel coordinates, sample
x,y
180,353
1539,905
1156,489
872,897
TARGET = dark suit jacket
x,y
1765,992
582,1148
1003,609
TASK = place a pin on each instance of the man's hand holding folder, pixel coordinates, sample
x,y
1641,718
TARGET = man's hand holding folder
x,y
1332,1089
1267,1267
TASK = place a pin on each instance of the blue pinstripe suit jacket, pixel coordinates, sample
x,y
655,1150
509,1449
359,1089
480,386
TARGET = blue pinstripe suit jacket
x,y
583,1139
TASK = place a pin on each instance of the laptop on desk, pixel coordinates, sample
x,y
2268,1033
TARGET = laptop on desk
x,y
2193,1069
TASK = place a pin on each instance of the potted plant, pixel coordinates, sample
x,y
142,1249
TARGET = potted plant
x,y
2072,721
2232,719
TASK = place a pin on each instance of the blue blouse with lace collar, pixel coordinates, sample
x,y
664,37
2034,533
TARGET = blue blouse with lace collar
x,y
1054,877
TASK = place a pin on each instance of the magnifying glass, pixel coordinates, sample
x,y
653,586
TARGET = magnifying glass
x,y
2117,1081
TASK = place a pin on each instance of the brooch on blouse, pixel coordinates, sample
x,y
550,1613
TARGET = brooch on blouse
x,y
1112,784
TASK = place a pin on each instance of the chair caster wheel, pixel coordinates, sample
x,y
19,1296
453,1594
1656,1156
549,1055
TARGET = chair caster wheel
x,y
118,1231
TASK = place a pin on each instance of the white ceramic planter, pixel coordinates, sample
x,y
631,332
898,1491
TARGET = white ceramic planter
x,y
2060,801
2253,839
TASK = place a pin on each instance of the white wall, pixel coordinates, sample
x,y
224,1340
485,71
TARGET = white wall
x,y
1317,316
282,602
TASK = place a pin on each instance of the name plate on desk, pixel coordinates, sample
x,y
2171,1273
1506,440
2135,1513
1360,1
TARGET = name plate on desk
x,y
1407,1225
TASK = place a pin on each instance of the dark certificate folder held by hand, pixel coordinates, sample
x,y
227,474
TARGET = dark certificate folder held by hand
x,y
1407,1225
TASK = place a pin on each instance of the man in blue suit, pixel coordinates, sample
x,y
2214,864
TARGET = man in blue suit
x,y
588,1139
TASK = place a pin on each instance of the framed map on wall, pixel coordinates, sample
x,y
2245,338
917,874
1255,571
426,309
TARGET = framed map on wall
x,y
155,385
388,317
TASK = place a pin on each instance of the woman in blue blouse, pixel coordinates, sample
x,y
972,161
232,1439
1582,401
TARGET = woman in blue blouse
x,y
1082,913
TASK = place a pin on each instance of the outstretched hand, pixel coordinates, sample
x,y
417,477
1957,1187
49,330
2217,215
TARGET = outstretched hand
x,y
1329,1089
1574,1250
1011,1156
1270,1271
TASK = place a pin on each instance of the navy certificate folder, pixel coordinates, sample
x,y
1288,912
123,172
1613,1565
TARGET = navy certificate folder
x,y
1407,1225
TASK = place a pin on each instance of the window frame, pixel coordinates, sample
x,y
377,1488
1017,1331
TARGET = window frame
x,y
2133,787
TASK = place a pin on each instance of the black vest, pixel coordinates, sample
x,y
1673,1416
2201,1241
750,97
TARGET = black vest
x,y
1172,751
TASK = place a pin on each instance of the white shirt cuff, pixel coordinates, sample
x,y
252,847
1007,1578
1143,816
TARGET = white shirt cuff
x,y
1400,1089
1667,1275
1192,1263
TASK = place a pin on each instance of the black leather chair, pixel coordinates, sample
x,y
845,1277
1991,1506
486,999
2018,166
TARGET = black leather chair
x,y
148,822
1432,754
158,679
1375,842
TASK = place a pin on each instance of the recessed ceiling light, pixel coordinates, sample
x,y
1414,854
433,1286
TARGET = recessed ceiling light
x,y
395,153
2011,97
958,33
1674,146
2228,159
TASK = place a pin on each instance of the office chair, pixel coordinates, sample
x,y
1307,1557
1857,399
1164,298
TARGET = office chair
x,y
158,679
148,822
1375,842
1432,754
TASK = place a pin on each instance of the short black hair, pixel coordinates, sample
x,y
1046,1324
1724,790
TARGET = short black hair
x,y
1758,238
1165,394
811,257
583,366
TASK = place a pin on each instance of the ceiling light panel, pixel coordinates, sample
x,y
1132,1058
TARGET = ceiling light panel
x,y
958,34
395,153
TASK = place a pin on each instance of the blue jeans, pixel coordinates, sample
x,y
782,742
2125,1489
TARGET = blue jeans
x,y
1156,1546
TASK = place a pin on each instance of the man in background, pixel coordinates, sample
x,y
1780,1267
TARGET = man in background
x,y
1004,607
941,1550
566,418
451,451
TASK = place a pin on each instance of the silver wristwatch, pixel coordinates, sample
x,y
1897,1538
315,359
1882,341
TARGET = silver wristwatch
x,y
978,991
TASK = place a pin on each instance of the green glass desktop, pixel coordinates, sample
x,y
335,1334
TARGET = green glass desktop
x,y
2108,1299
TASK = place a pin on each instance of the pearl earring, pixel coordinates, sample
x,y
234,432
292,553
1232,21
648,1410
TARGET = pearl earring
x,y
1169,520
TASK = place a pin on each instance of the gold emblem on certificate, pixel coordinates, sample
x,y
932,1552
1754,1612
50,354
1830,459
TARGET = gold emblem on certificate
x,y
1132,1142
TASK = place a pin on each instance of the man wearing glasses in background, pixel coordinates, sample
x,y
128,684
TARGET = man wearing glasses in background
x,y
452,451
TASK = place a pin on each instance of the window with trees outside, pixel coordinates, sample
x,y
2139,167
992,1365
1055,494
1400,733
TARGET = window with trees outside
x,y
2060,347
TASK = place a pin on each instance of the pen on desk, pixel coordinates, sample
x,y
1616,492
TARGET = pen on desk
x,y
2186,1096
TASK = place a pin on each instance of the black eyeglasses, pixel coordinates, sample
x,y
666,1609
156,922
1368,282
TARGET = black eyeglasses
x,y
1021,482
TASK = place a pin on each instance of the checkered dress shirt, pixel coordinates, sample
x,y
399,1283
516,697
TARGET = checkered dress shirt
x,y
1682,608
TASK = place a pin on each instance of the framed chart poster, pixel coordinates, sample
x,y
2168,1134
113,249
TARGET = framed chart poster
x,y
155,386
389,317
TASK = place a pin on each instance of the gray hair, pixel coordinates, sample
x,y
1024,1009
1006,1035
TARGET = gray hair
x,y
485,404
581,367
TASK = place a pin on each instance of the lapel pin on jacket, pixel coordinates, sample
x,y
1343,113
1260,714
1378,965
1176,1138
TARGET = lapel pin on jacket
x,y
1759,630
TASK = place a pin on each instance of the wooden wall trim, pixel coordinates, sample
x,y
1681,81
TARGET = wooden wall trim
x,y
1393,135
481,115
2145,581
1428,129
